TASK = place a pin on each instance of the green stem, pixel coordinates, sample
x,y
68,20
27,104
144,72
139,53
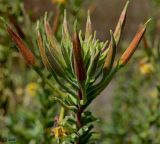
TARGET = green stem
x,y
79,121
61,116
79,114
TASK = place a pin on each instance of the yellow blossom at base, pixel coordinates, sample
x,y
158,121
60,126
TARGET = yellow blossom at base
x,y
32,88
59,1
59,132
146,68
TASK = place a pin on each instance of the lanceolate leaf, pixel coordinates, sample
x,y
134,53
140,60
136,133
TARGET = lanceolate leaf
x,y
53,62
93,66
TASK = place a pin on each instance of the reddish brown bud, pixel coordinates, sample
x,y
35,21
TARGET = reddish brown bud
x,y
132,47
27,54
16,25
78,60
56,21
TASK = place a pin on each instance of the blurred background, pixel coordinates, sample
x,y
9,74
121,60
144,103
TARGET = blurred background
x,y
105,14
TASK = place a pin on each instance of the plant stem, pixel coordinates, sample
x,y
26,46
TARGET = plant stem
x,y
79,121
61,116
79,115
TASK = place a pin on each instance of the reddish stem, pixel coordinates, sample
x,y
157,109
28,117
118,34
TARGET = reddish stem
x,y
79,115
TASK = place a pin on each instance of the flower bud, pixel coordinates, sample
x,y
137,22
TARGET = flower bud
x,y
27,54
88,32
52,41
111,54
42,49
132,47
65,31
78,60
56,21
120,24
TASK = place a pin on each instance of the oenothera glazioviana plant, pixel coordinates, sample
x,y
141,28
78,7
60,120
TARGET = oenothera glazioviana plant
x,y
83,67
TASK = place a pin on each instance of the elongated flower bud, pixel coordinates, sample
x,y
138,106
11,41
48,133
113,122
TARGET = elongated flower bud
x,y
111,54
16,25
27,54
78,60
65,31
120,24
42,49
50,37
56,21
88,32
54,45
132,47
54,66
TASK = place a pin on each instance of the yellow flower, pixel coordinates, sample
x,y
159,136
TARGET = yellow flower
x,y
146,69
59,132
59,1
31,89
